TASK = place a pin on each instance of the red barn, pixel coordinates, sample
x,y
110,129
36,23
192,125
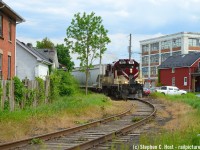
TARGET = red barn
x,y
182,71
8,21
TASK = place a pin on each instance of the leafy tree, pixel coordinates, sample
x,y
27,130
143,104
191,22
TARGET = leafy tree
x,y
64,56
45,43
87,37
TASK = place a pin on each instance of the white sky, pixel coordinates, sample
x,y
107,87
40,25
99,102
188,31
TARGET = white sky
x,y
142,18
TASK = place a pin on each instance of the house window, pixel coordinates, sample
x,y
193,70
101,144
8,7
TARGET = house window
x,y
185,81
9,31
176,53
154,58
173,70
176,42
145,48
145,59
165,44
1,62
173,81
9,67
194,42
153,71
154,46
145,71
1,25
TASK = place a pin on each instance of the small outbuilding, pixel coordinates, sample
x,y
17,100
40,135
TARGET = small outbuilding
x,y
182,71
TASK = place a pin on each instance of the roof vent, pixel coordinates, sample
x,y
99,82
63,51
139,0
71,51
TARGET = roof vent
x,y
183,56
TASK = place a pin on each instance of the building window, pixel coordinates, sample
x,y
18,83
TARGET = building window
x,y
164,56
165,44
154,46
145,59
1,64
185,81
153,70
194,42
154,58
9,67
1,25
176,42
145,48
176,53
173,81
173,70
9,30
145,71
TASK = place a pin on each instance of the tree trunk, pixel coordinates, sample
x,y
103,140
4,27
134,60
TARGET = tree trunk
x,y
86,83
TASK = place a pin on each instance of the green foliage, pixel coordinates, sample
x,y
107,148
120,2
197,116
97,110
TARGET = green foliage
x,y
64,56
40,91
36,141
55,80
68,85
62,83
45,43
87,37
19,90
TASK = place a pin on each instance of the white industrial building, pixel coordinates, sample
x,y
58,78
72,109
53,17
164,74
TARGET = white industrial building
x,y
155,50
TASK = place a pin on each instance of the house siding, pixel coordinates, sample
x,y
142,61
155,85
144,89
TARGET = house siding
x,y
166,76
7,47
25,63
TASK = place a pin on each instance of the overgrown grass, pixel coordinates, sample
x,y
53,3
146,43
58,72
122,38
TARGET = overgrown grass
x,y
71,104
189,131
189,98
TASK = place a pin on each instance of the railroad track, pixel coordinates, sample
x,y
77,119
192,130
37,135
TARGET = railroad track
x,y
92,134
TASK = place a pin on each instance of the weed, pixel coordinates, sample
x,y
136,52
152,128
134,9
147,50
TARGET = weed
x,y
36,141
136,119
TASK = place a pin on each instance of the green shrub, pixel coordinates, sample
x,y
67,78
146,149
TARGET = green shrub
x,y
19,90
40,91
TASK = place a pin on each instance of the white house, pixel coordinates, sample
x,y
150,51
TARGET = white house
x,y
31,63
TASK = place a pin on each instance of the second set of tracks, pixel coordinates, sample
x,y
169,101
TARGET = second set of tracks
x,y
94,134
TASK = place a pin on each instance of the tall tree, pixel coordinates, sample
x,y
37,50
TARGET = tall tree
x,y
45,43
87,37
64,56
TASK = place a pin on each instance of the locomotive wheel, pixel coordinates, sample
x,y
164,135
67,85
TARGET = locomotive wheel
x,y
106,91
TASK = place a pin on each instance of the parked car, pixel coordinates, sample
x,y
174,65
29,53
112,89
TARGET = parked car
x,y
153,89
172,90
146,91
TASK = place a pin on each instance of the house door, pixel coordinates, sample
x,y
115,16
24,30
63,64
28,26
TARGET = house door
x,y
197,84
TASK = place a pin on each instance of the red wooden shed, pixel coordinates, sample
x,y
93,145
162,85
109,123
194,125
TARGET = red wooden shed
x,y
182,71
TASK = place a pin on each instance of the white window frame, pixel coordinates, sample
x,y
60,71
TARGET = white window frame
x,y
185,81
173,70
173,81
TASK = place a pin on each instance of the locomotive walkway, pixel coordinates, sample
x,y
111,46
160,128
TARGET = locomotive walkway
x,y
95,135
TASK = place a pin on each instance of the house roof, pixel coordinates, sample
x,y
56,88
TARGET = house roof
x,y
10,12
39,55
184,60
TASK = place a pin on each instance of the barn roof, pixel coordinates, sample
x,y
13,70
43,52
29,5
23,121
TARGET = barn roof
x,y
184,60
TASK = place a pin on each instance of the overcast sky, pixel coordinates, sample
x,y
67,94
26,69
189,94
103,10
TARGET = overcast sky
x,y
142,18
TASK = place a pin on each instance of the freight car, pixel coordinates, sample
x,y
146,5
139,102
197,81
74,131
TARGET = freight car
x,y
117,79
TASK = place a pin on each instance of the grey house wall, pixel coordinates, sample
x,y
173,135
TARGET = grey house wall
x,y
25,63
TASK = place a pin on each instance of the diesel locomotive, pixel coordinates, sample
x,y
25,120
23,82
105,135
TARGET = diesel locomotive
x,y
117,79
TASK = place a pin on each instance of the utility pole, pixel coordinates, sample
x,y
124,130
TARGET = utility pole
x,y
130,48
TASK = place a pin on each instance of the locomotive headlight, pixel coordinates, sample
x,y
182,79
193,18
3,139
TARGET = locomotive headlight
x,y
131,70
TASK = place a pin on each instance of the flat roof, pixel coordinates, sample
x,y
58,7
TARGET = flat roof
x,y
10,12
169,35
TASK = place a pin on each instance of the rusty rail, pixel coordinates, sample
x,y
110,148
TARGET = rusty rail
x,y
49,136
